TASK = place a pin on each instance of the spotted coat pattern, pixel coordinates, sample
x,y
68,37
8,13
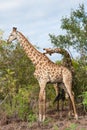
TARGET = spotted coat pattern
x,y
45,71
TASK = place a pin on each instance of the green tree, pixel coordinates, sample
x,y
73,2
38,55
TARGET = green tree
x,y
17,83
75,37
76,32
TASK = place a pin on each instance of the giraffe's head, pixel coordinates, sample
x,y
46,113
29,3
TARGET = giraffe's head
x,y
13,35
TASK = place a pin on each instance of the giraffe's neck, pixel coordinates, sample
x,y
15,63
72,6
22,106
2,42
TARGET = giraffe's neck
x,y
29,49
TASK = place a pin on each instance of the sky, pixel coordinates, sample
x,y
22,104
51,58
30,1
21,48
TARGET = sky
x,y
36,18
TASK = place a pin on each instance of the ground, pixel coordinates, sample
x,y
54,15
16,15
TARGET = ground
x,y
55,121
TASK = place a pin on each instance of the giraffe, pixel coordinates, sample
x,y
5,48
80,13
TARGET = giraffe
x,y
67,62
46,71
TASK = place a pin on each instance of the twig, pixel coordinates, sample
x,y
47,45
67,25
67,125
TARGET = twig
x,y
3,100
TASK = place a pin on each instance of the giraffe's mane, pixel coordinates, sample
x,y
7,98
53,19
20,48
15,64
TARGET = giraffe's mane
x,y
25,38
33,46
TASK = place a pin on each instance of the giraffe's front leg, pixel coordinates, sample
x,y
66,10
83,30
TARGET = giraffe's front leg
x,y
42,103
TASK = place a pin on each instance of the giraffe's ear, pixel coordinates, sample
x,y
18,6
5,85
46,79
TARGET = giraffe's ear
x,y
14,29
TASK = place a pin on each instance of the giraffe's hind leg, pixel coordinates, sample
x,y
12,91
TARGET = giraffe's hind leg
x,y
68,86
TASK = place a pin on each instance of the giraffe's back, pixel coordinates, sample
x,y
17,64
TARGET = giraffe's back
x,y
51,72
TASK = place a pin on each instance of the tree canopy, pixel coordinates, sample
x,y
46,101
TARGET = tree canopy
x,y
76,32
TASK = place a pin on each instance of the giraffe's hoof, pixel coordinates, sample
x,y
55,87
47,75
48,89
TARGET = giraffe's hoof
x,y
39,123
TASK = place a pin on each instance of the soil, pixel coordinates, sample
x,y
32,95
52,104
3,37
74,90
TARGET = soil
x,y
55,121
